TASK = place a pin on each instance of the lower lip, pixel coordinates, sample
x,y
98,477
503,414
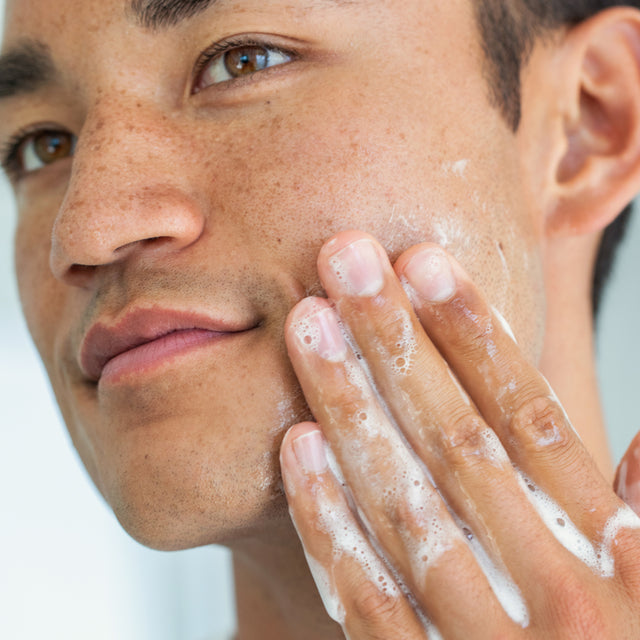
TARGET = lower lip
x,y
151,355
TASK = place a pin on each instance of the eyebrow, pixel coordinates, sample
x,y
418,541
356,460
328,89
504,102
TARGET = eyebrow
x,y
29,66
25,69
159,14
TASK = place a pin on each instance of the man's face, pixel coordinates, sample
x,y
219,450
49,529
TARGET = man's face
x,y
196,202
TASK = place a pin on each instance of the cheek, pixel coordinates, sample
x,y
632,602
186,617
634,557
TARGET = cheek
x,y
403,185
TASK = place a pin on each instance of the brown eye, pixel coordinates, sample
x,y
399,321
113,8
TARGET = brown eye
x,y
238,62
43,148
245,60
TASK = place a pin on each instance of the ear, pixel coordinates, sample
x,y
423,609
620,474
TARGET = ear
x,y
580,128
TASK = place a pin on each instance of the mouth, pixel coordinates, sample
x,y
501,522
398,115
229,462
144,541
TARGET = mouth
x,y
147,338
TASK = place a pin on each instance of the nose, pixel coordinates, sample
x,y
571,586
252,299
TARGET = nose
x,y
128,195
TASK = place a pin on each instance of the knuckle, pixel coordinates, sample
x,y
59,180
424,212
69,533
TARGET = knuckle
x,y
464,438
543,423
376,606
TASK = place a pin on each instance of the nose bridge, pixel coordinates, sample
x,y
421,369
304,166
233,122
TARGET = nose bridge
x,y
125,191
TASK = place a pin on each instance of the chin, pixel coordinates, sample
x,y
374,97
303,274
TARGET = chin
x,y
175,504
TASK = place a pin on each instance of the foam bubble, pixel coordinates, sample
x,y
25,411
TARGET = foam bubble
x,y
307,331
347,540
406,344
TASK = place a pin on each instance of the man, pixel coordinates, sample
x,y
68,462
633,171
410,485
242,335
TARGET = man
x,y
178,168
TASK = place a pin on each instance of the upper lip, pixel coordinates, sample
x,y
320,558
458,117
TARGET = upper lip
x,y
103,341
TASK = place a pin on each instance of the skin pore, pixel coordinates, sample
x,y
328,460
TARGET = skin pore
x,y
195,196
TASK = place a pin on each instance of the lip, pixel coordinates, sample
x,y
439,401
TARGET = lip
x,y
145,338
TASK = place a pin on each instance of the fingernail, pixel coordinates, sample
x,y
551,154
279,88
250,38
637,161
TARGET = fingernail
x,y
431,276
310,453
359,269
321,333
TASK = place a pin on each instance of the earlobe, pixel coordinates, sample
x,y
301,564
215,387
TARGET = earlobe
x,y
594,124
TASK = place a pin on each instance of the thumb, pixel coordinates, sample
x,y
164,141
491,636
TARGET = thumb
x,y
627,482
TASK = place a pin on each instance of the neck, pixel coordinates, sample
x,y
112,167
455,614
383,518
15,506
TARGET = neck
x,y
568,359
276,597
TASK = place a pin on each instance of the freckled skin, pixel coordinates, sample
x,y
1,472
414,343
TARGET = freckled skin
x,y
247,190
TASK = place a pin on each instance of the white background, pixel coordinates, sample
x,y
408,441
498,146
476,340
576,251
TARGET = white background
x,y
67,571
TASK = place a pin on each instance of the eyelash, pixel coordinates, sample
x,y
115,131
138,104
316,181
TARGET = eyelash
x,y
219,49
10,150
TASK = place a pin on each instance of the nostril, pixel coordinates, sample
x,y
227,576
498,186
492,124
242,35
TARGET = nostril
x,y
79,275
155,242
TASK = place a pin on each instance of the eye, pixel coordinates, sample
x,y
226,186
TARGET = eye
x,y
30,152
233,61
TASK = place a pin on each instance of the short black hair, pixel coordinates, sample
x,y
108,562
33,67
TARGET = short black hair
x,y
509,29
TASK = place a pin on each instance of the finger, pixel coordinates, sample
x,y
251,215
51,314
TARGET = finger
x,y
356,587
398,503
512,396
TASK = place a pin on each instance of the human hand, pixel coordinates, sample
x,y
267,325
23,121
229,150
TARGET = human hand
x,y
521,537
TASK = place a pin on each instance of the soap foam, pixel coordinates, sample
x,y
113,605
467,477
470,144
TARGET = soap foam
x,y
624,518
406,344
598,558
307,331
330,599
504,324
560,525
346,540
504,588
